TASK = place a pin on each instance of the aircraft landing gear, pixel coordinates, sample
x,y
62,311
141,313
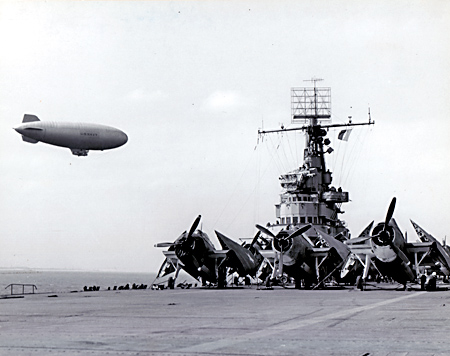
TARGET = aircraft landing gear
x,y
307,283
222,278
359,283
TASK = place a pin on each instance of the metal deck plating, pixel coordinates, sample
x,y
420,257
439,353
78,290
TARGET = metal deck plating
x,y
240,321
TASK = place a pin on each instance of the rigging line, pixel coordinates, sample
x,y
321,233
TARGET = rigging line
x,y
259,178
257,187
358,154
235,188
296,150
278,162
342,164
290,149
277,152
283,150
291,160
346,163
271,151
336,152
340,153
355,157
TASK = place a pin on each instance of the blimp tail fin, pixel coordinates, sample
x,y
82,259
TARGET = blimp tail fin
x,y
29,118
30,140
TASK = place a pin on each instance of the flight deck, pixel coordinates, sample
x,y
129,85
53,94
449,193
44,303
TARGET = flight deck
x,y
232,321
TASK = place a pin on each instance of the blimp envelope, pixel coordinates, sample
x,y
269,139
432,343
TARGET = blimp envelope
x,y
78,137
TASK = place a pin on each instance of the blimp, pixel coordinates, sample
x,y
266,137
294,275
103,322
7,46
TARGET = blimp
x,y
78,137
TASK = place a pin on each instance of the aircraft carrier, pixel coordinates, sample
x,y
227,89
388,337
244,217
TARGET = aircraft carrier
x,y
308,244
233,321
244,320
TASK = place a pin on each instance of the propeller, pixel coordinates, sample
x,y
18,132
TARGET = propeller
x,y
255,239
390,212
265,230
401,254
284,241
187,240
164,244
194,227
384,236
300,231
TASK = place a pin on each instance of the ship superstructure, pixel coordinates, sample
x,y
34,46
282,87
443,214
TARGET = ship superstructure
x,y
308,196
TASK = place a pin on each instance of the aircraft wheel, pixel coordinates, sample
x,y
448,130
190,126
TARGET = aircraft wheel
x,y
307,283
423,279
360,283
283,280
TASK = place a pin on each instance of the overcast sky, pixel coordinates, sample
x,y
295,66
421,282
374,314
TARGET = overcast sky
x,y
190,83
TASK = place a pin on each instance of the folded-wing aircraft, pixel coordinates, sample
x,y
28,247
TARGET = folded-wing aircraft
x,y
353,268
295,255
194,252
439,256
389,251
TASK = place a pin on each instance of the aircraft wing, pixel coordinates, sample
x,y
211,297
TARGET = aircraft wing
x,y
342,249
269,254
219,254
440,253
320,251
171,256
430,254
418,247
366,231
361,250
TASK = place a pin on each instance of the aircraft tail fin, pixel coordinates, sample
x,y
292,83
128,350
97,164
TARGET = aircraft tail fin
x,y
29,118
29,140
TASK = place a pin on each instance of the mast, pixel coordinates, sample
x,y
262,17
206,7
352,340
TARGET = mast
x,y
308,196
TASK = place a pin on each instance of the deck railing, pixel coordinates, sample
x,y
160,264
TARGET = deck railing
x,y
33,288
